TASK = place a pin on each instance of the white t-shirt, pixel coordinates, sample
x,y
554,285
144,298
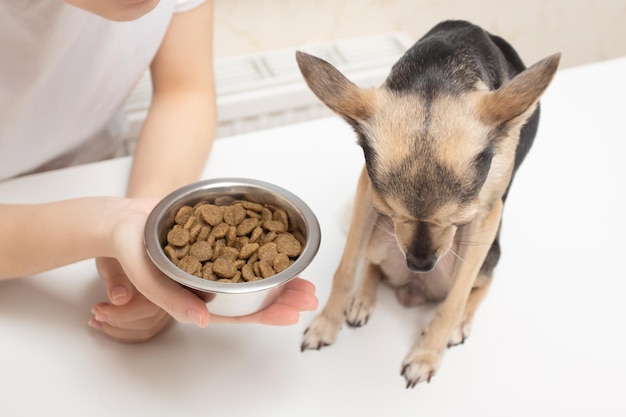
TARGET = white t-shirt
x,y
64,76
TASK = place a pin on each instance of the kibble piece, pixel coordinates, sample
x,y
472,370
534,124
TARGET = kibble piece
x,y
194,231
268,237
191,221
178,236
268,251
230,253
236,278
250,205
247,250
220,230
248,273
204,233
246,226
217,250
241,241
223,201
183,214
211,214
233,215
274,226
231,236
207,272
281,216
207,267
255,268
201,250
224,268
256,234
266,269
182,251
190,264
253,214
266,214
281,262
253,258
286,243
171,253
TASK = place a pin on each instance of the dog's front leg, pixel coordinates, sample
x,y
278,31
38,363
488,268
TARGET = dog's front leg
x,y
324,328
425,357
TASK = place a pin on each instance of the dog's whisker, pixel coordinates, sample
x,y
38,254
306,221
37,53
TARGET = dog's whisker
x,y
459,257
470,243
377,225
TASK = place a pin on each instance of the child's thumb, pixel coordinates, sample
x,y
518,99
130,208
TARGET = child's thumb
x,y
118,286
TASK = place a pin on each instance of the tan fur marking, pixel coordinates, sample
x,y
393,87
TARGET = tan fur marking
x,y
459,134
450,131
391,129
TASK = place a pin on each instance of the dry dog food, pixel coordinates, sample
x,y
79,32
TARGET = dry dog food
x,y
239,242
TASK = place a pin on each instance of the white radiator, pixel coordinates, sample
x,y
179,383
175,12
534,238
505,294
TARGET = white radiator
x,y
266,90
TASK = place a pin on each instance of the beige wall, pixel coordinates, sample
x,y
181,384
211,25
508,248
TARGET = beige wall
x,y
584,31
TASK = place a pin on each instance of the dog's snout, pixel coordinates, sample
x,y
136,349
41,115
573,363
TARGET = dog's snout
x,y
422,265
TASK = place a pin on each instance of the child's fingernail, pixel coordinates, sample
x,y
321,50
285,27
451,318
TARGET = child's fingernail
x,y
118,294
95,324
195,317
101,317
98,315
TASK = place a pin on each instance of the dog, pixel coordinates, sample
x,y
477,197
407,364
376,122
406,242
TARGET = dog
x,y
442,138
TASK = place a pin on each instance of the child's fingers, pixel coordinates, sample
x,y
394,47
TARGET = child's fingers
x,y
119,288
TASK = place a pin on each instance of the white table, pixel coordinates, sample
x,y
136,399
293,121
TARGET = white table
x,y
548,340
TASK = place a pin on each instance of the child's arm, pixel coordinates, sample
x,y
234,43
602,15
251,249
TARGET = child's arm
x,y
171,151
40,237
177,135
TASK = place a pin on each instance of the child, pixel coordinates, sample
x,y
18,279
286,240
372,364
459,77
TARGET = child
x,y
65,72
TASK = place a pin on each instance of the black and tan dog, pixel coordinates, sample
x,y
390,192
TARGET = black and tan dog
x,y
442,139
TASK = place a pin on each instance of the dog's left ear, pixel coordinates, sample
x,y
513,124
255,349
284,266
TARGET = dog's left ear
x,y
335,90
519,94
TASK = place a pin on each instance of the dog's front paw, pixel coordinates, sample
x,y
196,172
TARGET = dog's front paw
x,y
420,366
460,333
359,311
322,332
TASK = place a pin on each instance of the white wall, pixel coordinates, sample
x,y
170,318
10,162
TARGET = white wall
x,y
583,31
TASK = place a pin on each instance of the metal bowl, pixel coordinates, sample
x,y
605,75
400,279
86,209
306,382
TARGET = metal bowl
x,y
225,298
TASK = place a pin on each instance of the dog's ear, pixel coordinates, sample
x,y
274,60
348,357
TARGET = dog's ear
x,y
519,94
335,90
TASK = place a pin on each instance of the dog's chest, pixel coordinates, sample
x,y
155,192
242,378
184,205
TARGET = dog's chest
x,y
384,251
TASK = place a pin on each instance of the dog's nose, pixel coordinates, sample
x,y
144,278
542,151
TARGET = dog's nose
x,y
420,264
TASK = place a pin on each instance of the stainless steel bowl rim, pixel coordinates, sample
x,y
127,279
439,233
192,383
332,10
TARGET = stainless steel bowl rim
x,y
161,261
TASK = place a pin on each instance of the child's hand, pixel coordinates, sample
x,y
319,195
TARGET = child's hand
x,y
129,317
139,319
298,296
142,299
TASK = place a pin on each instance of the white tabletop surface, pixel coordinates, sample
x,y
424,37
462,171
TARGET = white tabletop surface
x,y
550,339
